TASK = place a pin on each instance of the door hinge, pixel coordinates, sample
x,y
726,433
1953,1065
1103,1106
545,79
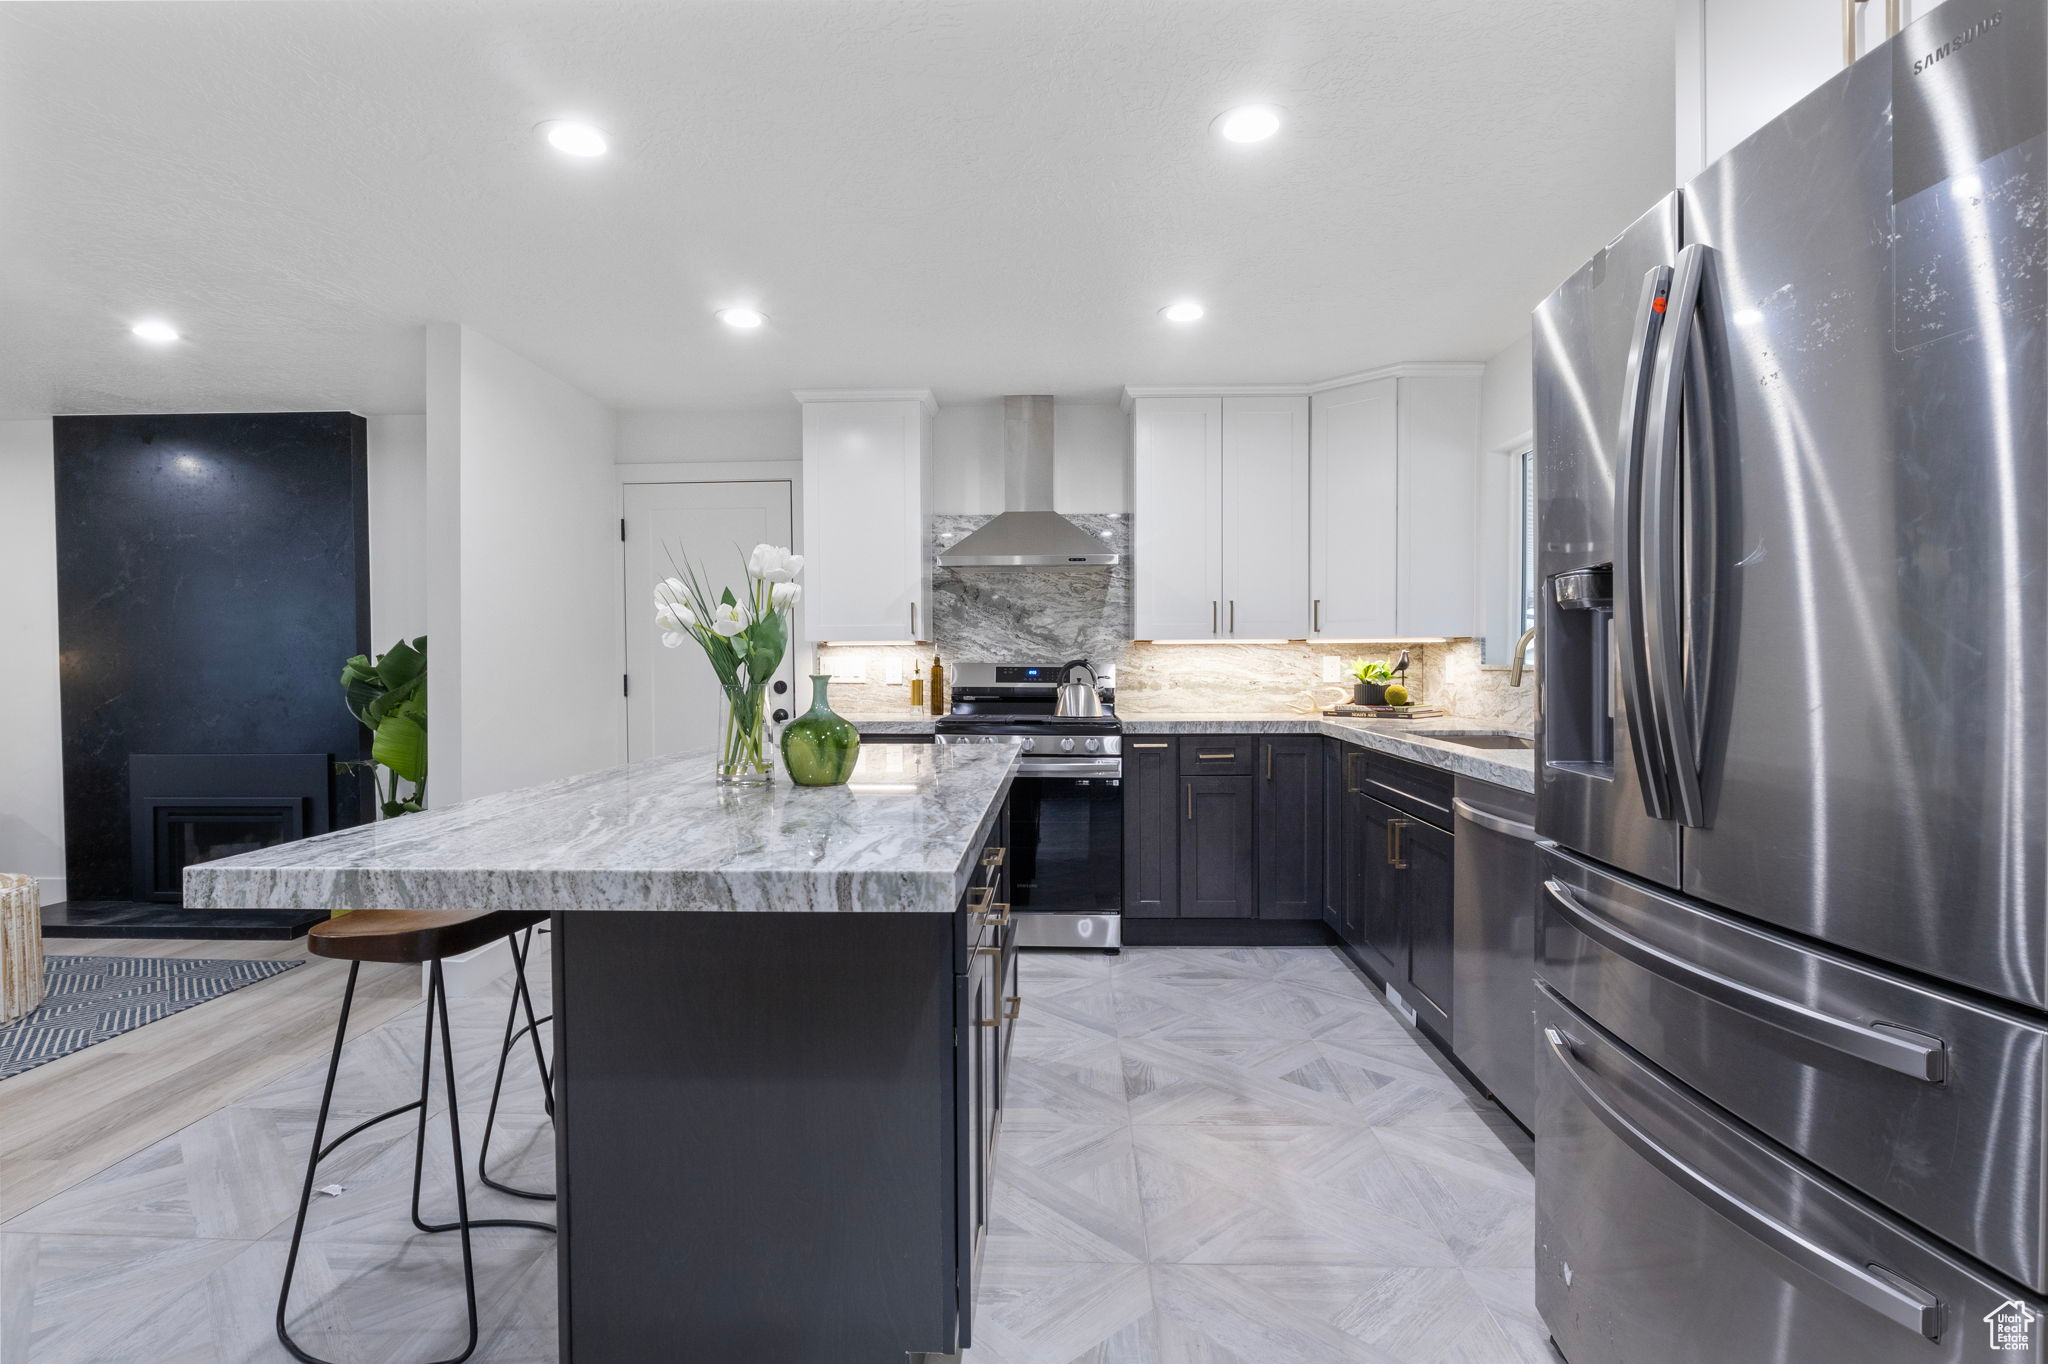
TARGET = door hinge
x,y
625,684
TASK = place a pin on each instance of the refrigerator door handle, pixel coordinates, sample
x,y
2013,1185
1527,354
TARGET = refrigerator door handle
x,y
1922,1060
1662,544
1891,1296
1645,731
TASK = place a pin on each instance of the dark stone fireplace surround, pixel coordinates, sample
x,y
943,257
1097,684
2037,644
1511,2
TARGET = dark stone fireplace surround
x,y
212,577
194,807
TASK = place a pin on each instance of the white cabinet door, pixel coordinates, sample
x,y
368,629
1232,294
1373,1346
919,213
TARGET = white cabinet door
x,y
672,698
1438,507
1177,517
1265,516
1354,482
867,477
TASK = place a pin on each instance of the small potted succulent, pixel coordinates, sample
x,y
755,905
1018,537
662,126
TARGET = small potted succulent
x,y
1370,686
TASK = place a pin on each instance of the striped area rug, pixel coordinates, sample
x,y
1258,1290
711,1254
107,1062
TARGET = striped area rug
x,y
89,999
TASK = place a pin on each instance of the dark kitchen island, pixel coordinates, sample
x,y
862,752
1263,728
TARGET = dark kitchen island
x,y
781,1018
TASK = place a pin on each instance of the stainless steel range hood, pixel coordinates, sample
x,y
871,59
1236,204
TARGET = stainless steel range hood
x,y
1028,533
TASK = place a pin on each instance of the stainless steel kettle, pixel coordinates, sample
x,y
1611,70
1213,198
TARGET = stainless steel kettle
x,y
1075,698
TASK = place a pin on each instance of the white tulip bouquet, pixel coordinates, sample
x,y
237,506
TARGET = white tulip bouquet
x,y
744,638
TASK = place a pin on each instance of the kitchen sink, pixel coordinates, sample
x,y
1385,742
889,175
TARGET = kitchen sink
x,y
1513,741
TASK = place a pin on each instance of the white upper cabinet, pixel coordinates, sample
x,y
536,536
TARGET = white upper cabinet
x,y
867,497
1265,516
1436,585
1394,506
1177,517
1352,522
1219,502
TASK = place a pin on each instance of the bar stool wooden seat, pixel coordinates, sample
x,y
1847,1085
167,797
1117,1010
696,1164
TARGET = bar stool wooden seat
x,y
406,937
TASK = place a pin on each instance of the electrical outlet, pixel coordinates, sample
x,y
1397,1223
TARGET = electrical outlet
x,y
893,672
1330,665
854,671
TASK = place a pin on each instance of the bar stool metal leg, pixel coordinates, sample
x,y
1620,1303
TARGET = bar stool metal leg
x,y
522,998
437,1008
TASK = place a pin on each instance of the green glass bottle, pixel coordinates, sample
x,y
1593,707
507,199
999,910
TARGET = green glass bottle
x,y
820,746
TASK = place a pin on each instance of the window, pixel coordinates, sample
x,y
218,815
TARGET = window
x,y
1525,490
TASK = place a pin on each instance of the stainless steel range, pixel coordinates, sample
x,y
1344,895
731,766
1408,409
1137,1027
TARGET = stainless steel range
x,y
1066,809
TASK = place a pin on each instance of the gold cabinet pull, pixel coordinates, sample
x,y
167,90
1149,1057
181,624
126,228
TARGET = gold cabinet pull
x,y
1190,788
1351,786
1269,762
1148,745
1318,628
994,857
1212,619
1016,1007
1394,827
1217,757
913,622
1233,615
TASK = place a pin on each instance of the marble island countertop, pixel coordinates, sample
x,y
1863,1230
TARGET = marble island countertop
x,y
903,835
1410,739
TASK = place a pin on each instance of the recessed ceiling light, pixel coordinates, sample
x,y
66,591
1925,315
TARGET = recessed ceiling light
x,y
576,139
1187,310
746,319
161,333
1250,123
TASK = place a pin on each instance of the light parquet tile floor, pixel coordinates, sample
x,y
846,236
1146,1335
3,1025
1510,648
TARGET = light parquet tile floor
x,y
1210,1156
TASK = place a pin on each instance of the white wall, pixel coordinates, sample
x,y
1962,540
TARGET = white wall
x,y
1506,406
31,757
399,529
1091,448
524,506
1741,63
709,437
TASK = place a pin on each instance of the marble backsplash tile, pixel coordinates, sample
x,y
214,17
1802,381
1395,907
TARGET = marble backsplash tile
x,y
1051,615
1231,679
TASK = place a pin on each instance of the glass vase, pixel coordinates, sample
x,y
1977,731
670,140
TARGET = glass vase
x,y
745,757
820,745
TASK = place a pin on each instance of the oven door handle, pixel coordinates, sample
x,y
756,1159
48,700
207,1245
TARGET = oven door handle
x,y
1071,767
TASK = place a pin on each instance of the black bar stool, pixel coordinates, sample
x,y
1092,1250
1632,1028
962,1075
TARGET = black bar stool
x,y
408,937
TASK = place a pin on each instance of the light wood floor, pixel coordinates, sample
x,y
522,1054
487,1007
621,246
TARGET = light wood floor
x,y
64,1122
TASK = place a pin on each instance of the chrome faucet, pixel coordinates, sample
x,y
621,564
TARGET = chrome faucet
x,y
1521,657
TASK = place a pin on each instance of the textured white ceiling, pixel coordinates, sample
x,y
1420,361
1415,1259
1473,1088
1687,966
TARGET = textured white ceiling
x,y
979,197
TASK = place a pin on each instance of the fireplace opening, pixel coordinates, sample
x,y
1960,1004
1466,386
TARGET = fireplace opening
x,y
186,808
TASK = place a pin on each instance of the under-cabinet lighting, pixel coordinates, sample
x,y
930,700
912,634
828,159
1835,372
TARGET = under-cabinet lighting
x,y
1233,639
744,319
159,333
1187,310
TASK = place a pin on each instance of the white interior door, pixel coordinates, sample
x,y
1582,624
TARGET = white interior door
x,y
671,694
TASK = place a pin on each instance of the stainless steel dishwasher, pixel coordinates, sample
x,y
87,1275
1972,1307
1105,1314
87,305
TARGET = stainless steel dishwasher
x,y
1493,941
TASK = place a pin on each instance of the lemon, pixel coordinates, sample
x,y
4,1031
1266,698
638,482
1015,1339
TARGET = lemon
x,y
1397,695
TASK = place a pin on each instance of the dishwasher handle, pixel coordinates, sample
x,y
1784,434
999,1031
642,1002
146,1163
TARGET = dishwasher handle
x,y
1492,823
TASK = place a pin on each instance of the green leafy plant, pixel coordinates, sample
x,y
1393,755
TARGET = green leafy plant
x,y
1371,670
389,698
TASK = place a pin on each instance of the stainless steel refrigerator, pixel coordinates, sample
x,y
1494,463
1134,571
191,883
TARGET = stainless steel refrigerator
x,y
1792,471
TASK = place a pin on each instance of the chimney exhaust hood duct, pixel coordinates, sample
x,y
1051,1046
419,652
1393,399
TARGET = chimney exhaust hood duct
x,y
1028,533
